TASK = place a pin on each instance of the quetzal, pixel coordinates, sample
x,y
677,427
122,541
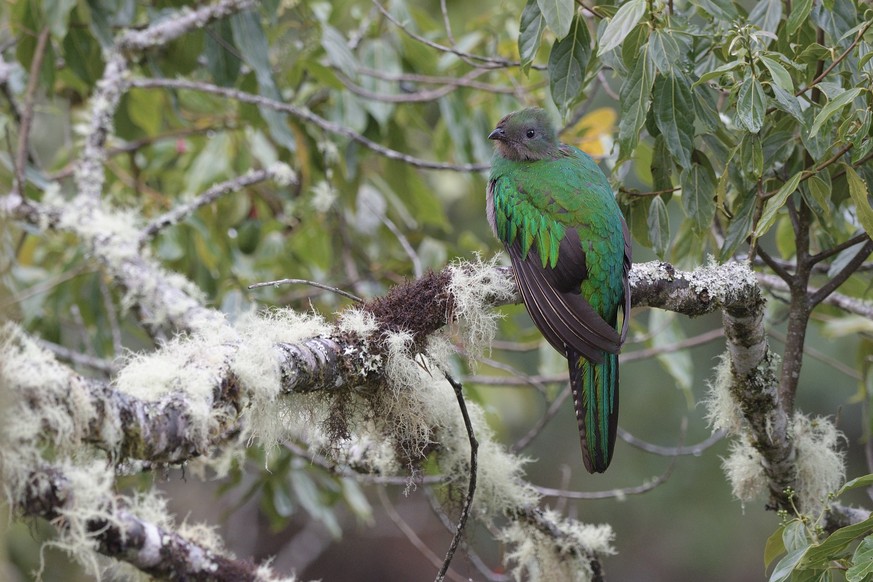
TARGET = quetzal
x,y
554,211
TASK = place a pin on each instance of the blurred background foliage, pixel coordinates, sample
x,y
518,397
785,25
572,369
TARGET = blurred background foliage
x,y
734,103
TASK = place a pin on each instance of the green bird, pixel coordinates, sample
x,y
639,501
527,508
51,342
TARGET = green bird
x,y
555,213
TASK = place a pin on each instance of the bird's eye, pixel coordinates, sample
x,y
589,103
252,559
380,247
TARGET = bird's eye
x,y
530,133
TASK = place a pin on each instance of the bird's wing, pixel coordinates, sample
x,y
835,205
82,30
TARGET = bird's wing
x,y
628,262
557,307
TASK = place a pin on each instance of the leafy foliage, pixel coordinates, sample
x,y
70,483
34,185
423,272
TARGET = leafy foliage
x,y
736,122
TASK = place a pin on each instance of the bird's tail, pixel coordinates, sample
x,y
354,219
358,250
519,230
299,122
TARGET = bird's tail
x,y
595,399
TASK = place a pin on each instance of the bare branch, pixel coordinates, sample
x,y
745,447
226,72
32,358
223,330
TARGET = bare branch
x,y
307,116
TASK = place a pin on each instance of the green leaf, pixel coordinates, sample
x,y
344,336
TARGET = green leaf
x,y
718,72
146,110
751,105
768,216
530,33
558,15
799,13
832,107
787,102
740,226
338,51
783,570
567,63
379,55
752,155
635,96
858,192
821,193
222,61
621,24
766,15
857,482
774,547
673,111
862,562
659,227
57,16
698,195
837,542
779,74
665,51
249,38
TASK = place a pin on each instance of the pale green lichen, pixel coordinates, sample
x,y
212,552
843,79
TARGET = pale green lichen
x,y
93,501
256,364
744,468
46,406
282,173
475,288
534,556
820,465
722,410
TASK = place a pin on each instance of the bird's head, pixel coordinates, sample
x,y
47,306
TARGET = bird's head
x,y
526,135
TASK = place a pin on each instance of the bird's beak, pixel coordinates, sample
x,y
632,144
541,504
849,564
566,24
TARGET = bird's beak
x,y
497,134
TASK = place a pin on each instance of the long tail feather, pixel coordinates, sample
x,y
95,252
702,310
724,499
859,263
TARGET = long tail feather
x,y
595,399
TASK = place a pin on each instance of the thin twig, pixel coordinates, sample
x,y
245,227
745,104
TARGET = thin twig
x,y
837,61
541,423
836,249
27,115
493,62
410,534
471,487
841,277
417,269
336,290
308,116
693,450
183,211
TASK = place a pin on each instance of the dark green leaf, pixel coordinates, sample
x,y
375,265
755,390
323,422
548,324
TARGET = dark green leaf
x,y
751,105
799,13
659,227
698,194
752,155
778,73
558,15
820,190
718,72
567,63
633,43
673,110
858,192
666,53
621,24
837,542
530,32
768,216
662,167
740,227
832,107
222,61
636,92
788,103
